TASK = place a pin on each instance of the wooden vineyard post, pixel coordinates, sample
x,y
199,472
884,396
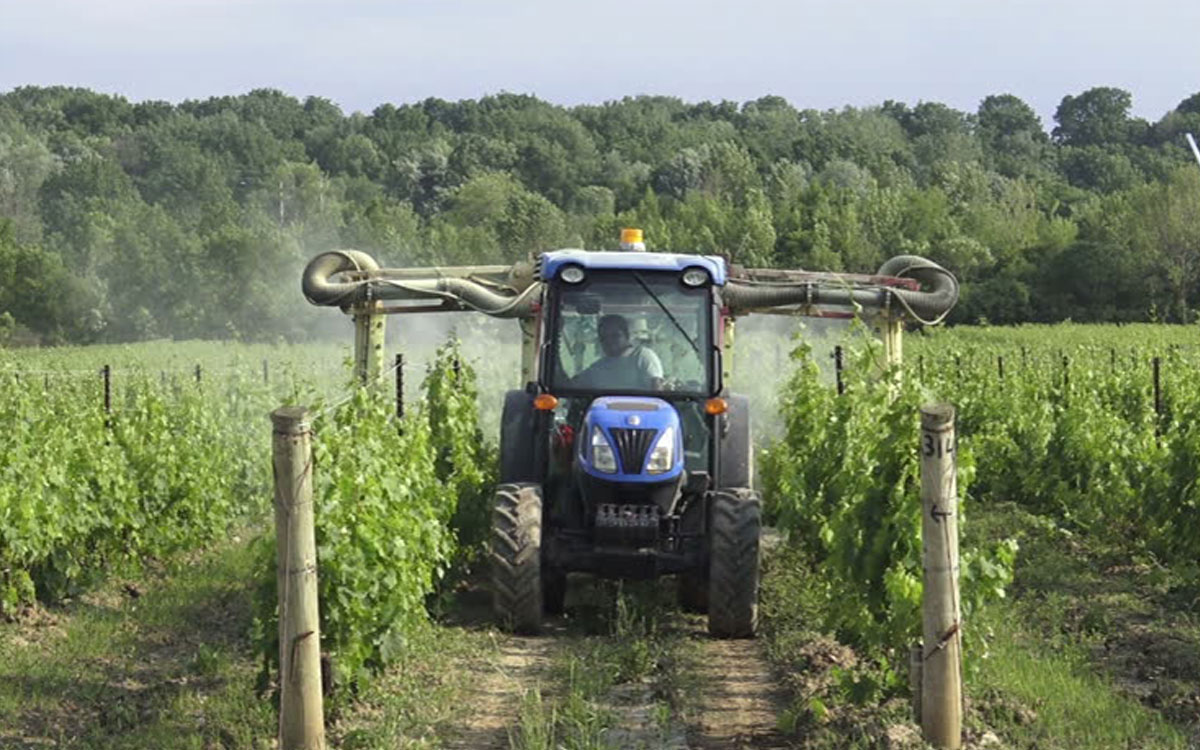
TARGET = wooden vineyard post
x,y
891,330
916,655
301,708
941,667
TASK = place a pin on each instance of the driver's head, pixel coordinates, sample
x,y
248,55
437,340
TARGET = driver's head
x,y
613,331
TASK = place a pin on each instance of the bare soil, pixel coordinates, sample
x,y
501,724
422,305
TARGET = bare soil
x,y
501,676
739,701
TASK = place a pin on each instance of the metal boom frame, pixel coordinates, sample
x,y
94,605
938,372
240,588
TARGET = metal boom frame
x,y
905,288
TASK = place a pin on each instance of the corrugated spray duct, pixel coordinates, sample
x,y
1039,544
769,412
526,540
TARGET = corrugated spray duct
x,y
369,282
929,305
320,290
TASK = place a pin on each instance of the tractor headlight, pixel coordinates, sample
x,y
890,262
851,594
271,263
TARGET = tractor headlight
x,y
662,456
695,277
571,274
603,458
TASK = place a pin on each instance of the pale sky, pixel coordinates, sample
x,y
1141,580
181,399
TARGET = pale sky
x,y
822,55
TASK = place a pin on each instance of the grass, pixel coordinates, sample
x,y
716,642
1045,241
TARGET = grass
x,y
823,676
1096,648
165,661
418,701
160,662
1037,694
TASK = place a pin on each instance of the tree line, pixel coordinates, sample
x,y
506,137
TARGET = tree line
x,y
123,221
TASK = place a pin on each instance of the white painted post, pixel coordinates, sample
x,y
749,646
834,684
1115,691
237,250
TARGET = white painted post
x,y
529,350
893,339
727,354
301,708
941,668
368,342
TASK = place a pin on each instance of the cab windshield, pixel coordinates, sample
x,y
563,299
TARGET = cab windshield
x,y
631,332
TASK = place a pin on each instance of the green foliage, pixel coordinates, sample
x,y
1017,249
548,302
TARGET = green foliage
x,y
396,504
844,482
464,461
170,473
137,221
1071,431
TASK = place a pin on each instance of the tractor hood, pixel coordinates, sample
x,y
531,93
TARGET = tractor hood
x,y
631,439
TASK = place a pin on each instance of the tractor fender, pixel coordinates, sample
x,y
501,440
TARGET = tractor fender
x,y
518,423
736,454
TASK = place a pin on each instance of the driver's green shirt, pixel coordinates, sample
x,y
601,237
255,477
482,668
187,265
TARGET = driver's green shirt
x,y
635,369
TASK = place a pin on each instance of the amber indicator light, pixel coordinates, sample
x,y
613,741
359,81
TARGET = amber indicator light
x,y
545,402
716,406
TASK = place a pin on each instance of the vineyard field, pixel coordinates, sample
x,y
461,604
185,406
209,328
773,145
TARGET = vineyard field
x,y
1078,461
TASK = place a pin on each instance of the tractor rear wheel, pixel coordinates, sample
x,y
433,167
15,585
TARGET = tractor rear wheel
x,y
516,556
733,563
693,593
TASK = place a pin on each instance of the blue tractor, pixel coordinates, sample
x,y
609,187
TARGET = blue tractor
x,y
626,454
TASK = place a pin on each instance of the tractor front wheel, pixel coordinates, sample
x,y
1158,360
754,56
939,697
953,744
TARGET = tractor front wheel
x,y
733,563
516,556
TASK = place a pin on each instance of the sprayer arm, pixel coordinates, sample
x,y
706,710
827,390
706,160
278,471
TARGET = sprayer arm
x,y
920,288
344,278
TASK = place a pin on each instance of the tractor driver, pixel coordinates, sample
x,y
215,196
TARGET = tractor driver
x,y
625,364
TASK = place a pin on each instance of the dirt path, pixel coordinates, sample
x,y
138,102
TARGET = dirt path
x,y
739,700
500,676
503,677
732,699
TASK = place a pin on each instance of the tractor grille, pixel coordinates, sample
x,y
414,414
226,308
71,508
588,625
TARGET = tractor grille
x,y
632,406
632,446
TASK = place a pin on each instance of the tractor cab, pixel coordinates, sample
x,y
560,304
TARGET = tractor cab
x,y
633,325
631,408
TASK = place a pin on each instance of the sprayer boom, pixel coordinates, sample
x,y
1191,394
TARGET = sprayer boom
x,y
905,285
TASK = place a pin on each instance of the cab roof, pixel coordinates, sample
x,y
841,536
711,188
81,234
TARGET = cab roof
x,y
553,261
